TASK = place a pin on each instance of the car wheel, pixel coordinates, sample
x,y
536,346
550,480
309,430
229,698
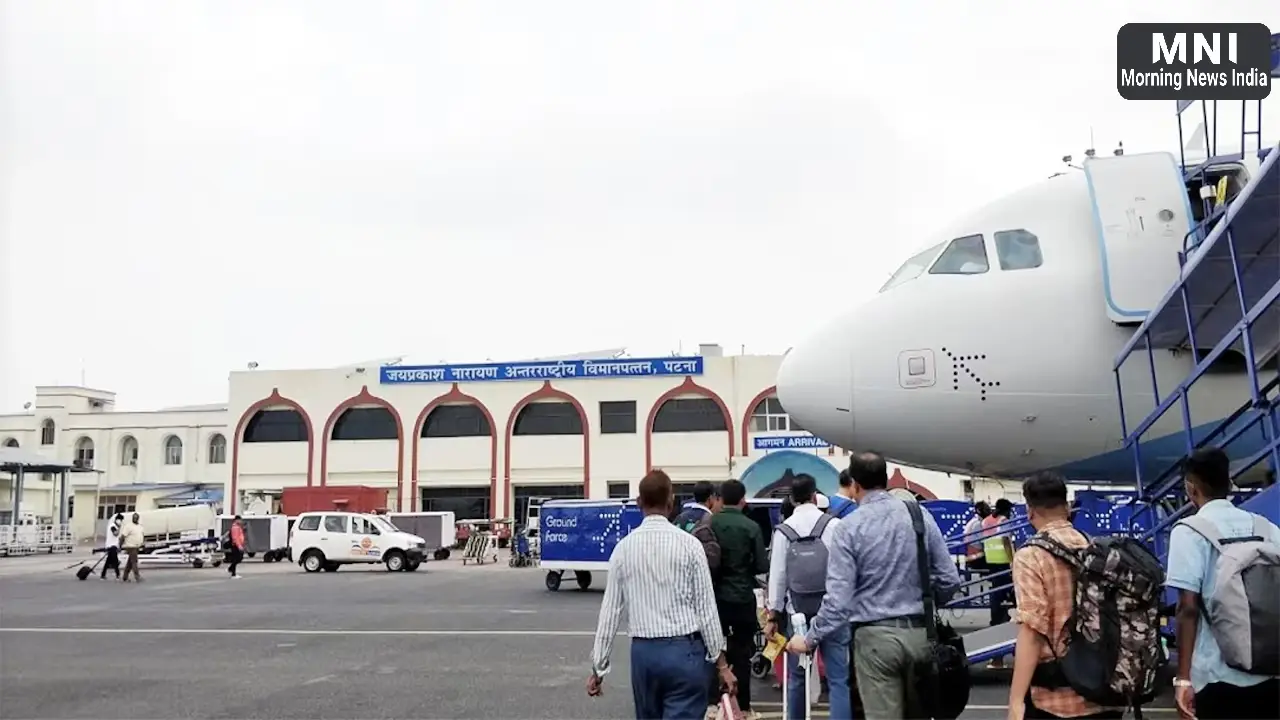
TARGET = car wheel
x,y
412,565
442,554
553,581
584,579
395,561
313,561
331,567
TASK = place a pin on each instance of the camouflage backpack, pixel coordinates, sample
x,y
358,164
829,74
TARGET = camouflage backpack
x,y
1113,643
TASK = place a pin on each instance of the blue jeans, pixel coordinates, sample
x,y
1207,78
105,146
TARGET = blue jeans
x,y
835,658
669,678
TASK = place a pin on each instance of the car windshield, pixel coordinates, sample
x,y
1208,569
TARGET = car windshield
x,y
384,524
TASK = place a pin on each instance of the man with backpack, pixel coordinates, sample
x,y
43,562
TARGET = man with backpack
x,y
742,558
874,582
1225,564
797,584
1046,589
695,519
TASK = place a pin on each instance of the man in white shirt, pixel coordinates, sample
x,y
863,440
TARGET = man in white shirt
x,y
658,573
835,647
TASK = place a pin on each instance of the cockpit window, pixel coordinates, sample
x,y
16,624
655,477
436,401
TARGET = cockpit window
x,y
913,268
964,256
1018,250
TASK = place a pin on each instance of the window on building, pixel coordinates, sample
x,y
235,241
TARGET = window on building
x,y
335,523
619,490
769,416
365,423
310,522
128,451
112,505
683,493
172,450
84,453
217,449
689,415
913,268
964,256
548,418
1018,250
47,431
283,425
457,421
466,503
71,507
11,443
522,493
617,416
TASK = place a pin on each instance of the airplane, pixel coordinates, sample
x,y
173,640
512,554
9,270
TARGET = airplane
x,y
990,351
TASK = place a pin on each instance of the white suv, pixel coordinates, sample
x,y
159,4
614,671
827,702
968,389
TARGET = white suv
x,y
329,540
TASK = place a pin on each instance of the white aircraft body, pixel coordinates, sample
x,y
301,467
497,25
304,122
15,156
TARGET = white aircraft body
x,y
992,351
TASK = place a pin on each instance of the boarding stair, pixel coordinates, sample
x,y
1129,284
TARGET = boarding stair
x,y
1226,301
1223,309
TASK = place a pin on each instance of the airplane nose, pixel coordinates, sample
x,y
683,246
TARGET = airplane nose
x,y
814,388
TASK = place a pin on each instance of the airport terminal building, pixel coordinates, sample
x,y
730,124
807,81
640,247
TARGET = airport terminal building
x,y
476,439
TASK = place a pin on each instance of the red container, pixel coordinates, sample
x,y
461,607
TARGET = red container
x,y
351,498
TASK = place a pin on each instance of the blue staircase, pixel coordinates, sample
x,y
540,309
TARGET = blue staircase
x,y
1227,299
1224,302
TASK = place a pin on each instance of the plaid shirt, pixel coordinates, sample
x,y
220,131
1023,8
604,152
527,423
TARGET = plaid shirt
x,y
1045,589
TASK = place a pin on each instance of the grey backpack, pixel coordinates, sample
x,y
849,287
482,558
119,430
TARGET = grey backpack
x,y
806,566
1243,606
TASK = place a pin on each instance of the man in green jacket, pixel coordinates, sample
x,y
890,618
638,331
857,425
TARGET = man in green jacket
x,y
742,558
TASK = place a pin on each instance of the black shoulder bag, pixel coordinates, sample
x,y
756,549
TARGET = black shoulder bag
x,y
942,681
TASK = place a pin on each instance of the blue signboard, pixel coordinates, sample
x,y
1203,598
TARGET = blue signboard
x,y
580,532
789,442
542,370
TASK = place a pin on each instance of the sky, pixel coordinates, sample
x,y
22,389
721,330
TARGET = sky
x,y
189,187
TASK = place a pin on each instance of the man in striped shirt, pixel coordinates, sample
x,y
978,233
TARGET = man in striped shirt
x,y
659,574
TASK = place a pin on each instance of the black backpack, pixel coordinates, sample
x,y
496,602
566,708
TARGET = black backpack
x,y
1113,640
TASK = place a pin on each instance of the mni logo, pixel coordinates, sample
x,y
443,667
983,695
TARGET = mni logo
x,y
1193,61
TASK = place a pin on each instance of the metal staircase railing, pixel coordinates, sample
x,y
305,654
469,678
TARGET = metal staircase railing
x,y
1159,501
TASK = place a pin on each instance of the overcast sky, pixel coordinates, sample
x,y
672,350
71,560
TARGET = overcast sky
x,y
187,187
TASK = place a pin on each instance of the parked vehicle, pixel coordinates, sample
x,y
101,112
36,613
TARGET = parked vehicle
x,y
328,540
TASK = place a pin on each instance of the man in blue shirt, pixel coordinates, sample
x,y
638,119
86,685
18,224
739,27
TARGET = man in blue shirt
x,y
841,504
873,581
1205,686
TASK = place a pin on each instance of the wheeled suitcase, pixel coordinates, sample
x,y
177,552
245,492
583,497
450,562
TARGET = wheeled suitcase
x,y
85,571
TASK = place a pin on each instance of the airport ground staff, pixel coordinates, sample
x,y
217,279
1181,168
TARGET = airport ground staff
x,y
873,582
659,574
131,541
997,551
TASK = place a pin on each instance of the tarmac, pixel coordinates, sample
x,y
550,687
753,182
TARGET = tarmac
x,y
445,642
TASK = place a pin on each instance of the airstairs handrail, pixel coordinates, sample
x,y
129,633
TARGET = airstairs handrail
x,y
1192,262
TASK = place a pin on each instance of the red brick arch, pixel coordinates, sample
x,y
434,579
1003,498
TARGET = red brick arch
x,y
688,387
546,392
898,481
364,397
751,408
275,399
455,397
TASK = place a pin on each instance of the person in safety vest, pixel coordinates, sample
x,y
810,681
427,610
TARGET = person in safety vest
x,y
997,550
